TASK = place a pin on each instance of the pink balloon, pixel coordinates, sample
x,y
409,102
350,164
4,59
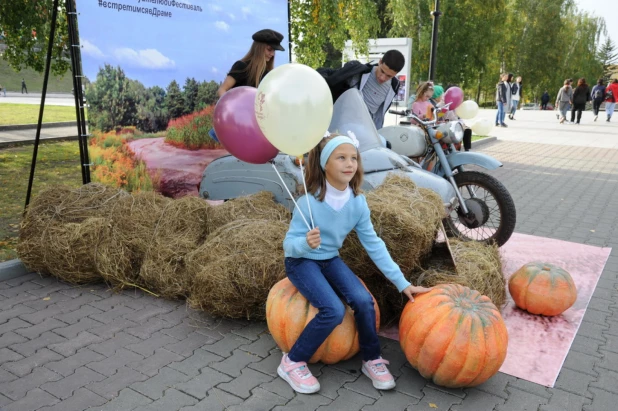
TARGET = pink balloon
x,y
455,96
237,128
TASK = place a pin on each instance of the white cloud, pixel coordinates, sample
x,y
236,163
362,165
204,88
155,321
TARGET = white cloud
x,y
231,16
91,50
148,58
221,25
214,70
214,7
246,11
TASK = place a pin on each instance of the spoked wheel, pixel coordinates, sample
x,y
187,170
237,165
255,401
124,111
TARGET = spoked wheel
x,y
491,211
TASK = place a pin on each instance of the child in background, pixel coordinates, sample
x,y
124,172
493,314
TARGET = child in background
x,y
313,265
422,106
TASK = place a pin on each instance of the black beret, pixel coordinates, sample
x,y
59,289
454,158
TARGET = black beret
x,y
270,37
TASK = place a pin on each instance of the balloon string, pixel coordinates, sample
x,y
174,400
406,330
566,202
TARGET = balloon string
x,y
291,196
302,172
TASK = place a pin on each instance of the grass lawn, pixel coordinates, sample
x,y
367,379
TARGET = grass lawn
x,y
11,79
58,163
29,114
474,138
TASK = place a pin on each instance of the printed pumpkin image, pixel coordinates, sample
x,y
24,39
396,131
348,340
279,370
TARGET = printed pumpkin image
x,y
542,288
454,336
287,314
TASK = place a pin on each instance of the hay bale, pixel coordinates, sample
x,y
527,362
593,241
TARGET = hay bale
x,y
236,267
260,206
55,206
133,220
478,267
68,251
180,230
406,218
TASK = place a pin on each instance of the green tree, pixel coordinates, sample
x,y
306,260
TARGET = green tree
x,y
174,100
110,99
316,22
190,92
20,20
607,55
207,94
152,113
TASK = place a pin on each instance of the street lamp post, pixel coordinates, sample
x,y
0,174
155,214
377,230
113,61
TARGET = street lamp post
x,y
434,41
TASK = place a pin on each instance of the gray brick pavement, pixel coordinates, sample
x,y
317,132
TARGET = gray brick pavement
x,y
71,348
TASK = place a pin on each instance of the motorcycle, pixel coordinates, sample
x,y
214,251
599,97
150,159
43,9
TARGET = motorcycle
x,y
485,211
227,177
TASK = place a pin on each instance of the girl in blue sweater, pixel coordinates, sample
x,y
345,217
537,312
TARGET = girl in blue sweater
x,y
312,263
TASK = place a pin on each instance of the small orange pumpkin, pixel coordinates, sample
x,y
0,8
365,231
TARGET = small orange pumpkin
x,y
287,314
542,288
454,336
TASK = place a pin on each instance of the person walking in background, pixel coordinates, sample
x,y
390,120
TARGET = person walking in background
x,y
502,99
3,89
598,95
563,100
611,93
23,86
516,96
581,95
544,100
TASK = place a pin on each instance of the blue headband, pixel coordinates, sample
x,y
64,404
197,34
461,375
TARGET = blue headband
x,y
331,146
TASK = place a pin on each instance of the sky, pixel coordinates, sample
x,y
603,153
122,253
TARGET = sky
x,y
156,50
602,8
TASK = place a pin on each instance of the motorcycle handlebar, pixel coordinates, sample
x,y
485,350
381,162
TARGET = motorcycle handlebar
x,y
399,113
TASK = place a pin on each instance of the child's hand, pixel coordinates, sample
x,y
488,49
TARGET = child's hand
x,y
415,290
313,238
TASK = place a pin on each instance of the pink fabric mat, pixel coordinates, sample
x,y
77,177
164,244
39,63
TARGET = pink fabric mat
x,y
539,345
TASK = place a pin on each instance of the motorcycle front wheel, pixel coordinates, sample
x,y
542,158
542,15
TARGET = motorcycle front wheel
x,y
491,210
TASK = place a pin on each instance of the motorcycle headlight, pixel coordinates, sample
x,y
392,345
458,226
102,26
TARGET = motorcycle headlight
x,y
452,132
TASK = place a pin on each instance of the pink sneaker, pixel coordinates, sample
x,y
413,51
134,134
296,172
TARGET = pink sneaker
x,y
379,375
298,375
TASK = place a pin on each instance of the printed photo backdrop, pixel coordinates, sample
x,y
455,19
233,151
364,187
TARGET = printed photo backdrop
x,y
152,70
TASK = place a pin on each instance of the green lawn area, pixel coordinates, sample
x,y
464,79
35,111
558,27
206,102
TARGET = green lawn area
x,y
11,79
474,138
58,163
29,114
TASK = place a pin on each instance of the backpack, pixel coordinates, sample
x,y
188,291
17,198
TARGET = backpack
x,y
609,96
598,93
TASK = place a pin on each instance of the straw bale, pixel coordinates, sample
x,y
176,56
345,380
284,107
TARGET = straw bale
x,y
180,230
260,205
69,251
479,267
53,207
236,267
405,217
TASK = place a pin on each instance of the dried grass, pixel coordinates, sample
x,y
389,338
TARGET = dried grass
x,y
236,268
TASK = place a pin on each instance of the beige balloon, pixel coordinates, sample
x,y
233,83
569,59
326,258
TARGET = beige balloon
x,y
293,107
467,110
482,127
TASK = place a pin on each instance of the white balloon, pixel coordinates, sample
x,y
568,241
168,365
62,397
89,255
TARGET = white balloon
x,y
467,110
482,127
293,107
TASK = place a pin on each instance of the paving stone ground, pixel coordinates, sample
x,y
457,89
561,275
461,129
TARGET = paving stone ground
x,y
86,348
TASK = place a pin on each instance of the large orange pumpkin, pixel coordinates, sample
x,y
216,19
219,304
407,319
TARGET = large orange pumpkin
x,y
542,288
287,314
454,336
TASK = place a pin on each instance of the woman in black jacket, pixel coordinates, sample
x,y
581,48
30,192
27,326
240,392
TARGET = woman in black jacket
x,y
581,95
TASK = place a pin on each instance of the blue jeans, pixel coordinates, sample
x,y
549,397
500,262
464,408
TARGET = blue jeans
x,y
609,109
500,115
324,283
514,104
